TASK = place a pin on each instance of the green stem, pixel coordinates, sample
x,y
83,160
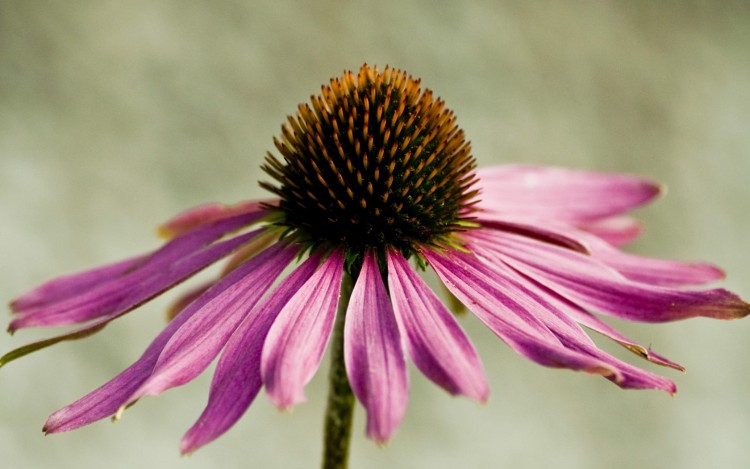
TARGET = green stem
x,y
340,408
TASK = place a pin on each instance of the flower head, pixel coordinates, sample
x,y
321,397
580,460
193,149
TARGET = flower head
x,y
375,176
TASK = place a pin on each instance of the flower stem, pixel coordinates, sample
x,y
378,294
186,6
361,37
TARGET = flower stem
x,y
340,408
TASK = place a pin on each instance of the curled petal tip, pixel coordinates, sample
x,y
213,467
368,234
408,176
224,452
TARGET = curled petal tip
x,y
606,372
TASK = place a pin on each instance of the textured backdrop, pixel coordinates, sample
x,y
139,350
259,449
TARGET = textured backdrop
x,y
116,115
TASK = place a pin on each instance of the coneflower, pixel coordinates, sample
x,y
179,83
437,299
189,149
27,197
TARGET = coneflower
x,y
375,182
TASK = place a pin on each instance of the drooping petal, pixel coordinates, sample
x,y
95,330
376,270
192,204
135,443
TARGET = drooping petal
x,y
434,340
374,354
298,338
172,263
561,194
652,271
509,318
209,213
192,264
591,283
237,379
638,268
560,315
617,231
107,399
128,292
530,229
64,287
194,346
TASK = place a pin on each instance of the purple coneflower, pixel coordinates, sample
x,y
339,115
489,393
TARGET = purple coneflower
x,y
376,182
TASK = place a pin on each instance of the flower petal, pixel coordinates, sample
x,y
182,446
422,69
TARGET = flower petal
x,y
589,282
206,214
107,399
64,287
509,318
374,354
652,271
194,346
561,315
561,194
434,340
193,264
169,265
128,292
297,340
617,231
638,268
237,379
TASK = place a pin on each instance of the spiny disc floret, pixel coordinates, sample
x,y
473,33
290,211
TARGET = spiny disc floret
x,y
373,162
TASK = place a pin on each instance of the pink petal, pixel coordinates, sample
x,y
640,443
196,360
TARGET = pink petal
x,y
210,213
638,268
194,346
652,271
237,379
62,288
617,230
128,292
590,283
106,400
531,229
509,318
297,340
561,194
560,316
434,340
374,354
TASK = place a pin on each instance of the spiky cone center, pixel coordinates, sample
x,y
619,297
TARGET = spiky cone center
x,y
374,162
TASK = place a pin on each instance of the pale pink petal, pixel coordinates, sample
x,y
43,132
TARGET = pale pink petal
x,y
237,379
591,283
638,268
194,346
374,354
662,272
434,340
297,340
561,194
617,231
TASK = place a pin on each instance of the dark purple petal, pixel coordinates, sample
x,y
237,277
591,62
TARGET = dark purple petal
x,y
374,354
296,342
434,340
591,283
561,194
237,379
194,346
169,265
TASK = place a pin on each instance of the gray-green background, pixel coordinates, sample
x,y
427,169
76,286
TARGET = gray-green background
x,y
116,115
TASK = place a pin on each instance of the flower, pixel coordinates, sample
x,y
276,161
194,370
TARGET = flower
x,y
375,176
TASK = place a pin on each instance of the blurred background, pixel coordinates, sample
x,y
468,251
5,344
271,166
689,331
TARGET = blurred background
x,y
116,115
